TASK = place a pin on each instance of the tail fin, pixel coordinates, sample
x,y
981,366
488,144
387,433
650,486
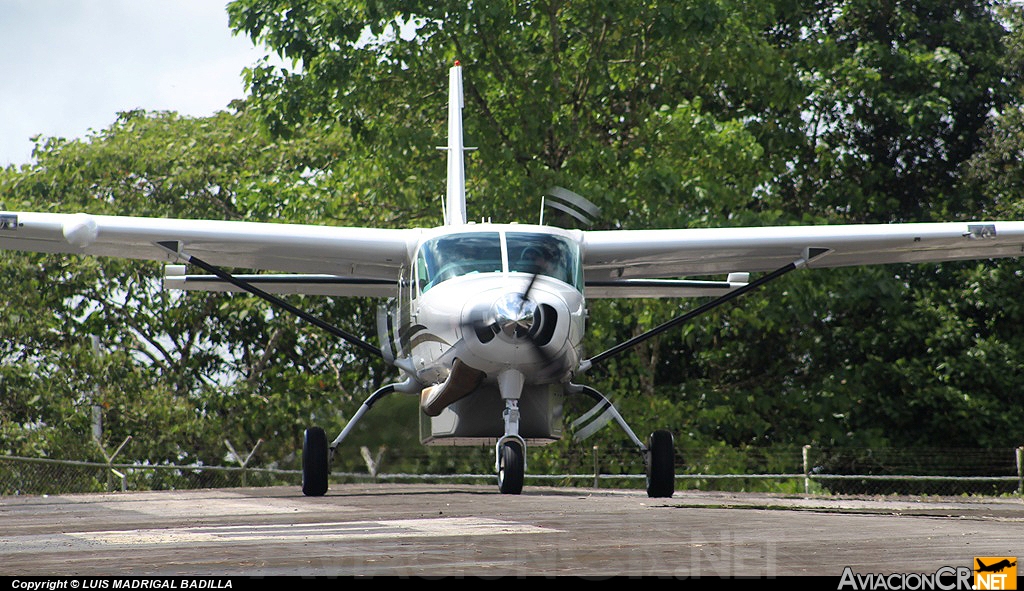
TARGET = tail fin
x,y
455,201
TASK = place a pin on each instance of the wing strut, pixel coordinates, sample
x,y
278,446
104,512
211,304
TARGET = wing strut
x,y
605,412
810,254
174,247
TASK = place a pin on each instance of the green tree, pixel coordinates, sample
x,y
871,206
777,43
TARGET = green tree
x,y
700,113
642,107
180,372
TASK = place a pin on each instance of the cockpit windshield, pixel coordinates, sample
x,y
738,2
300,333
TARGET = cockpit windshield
x,y
455,255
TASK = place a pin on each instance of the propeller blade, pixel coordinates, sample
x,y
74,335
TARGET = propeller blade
x,y
529,287
543,324
573,204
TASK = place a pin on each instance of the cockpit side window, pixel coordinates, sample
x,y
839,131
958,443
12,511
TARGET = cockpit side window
x,y
455,255
544,254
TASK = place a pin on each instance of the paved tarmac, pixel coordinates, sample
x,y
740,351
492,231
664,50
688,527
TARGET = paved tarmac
x,y
461,530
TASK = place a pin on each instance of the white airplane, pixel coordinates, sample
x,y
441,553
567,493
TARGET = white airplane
x,y
485,322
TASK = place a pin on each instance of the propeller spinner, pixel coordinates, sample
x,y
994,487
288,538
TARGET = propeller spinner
x,y
515,315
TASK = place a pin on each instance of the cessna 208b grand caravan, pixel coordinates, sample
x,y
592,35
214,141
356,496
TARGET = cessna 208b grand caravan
x,y
485,322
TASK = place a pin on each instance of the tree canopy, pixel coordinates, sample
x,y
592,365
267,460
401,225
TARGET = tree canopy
x,y
681,114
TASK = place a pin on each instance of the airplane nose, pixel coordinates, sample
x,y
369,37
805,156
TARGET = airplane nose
x,y
511,331
516,319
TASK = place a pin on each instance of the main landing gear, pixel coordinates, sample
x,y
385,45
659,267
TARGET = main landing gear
x,y
661,465
316,464
659,453
317,452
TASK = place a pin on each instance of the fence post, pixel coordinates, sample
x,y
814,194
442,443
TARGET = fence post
x,y
597,471
110,464
372,464
243,463
1020,470
807,469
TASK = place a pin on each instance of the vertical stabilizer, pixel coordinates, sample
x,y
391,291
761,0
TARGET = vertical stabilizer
x,y
455,201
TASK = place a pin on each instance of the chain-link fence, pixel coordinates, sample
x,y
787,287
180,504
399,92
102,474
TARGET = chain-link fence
x,y
796,470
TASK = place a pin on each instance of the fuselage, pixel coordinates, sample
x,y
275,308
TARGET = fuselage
x,y
497,297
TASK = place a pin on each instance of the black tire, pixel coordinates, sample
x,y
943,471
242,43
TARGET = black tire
x,y
511,468
661,465
315,462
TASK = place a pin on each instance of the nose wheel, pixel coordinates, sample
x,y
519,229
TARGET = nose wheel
x,y
511,467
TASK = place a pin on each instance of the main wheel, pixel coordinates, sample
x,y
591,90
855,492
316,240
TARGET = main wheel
x,y
661,465
315,462
511,468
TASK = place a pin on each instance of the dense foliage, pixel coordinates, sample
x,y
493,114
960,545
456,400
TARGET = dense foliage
x,y
681,114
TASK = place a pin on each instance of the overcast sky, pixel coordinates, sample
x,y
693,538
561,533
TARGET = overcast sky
x,y
69,66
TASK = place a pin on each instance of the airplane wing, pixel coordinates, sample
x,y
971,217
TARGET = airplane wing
x,y
358,257
625,256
